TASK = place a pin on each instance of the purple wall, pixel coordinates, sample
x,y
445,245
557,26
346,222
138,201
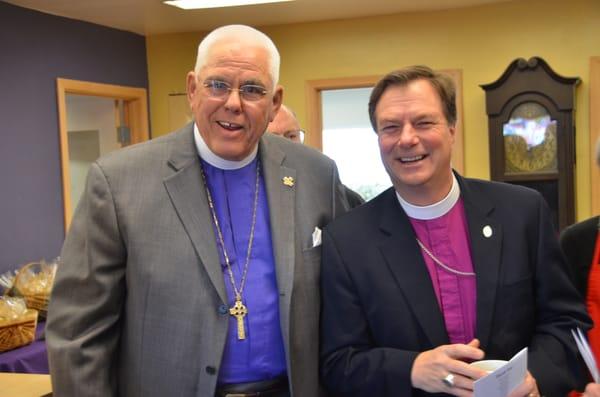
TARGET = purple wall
x,y
35,49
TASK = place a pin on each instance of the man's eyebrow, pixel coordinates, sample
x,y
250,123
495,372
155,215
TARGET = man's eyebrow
x,y
215,77
422,116
252,82
390,120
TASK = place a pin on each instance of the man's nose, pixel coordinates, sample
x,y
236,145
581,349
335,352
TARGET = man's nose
x,y
234,101
408,136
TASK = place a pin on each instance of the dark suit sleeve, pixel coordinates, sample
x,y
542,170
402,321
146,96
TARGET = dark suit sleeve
x,y
552,351
578,242
354,199
340,201
351,365
568,243
82,332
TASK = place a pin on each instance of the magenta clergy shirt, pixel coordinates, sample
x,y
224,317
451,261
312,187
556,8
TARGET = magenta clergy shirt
x,y
261,355
447,238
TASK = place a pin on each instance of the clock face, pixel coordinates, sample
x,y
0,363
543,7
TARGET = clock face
x,y
530,140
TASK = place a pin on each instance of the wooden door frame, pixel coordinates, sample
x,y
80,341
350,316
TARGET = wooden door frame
x,y
136,115
594,132
314,137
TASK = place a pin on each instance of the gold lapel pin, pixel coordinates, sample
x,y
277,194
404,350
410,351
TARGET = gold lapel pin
x,y
288,181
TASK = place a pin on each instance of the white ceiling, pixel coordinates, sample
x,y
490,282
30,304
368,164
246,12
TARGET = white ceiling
x,y
149,17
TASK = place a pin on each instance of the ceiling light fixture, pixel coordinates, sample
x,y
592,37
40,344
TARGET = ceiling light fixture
x,y
197,4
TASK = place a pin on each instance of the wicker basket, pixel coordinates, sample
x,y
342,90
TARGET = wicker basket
x,y
35,297
19,332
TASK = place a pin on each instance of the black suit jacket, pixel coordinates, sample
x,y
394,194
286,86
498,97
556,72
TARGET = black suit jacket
x,y
354,199
380,309
578,242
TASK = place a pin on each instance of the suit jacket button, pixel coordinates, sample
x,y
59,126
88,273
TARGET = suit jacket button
x,y
223,309
211,370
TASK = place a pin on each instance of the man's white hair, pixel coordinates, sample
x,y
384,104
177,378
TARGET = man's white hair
x,y
240,33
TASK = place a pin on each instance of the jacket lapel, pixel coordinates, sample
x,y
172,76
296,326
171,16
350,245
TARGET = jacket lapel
x,y
281,198
486,252
405,261
188,196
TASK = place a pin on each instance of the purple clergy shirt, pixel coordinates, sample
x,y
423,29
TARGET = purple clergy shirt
x,y
261,355
446,237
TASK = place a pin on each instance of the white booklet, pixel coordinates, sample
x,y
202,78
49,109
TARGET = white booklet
x,y
586,353
503,380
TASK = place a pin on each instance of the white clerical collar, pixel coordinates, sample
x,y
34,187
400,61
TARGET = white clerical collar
x,y
219,162
434,210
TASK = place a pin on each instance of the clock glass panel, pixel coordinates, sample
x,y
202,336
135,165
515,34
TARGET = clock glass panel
x,y
530,140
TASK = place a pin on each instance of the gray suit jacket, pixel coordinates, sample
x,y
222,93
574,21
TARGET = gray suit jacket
x,y
138,304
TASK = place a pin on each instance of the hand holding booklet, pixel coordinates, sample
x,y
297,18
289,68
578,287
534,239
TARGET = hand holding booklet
x,y
504,379
586,353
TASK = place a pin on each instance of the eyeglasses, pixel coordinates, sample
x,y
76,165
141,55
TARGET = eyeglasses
x,y
297,136
292,135
221,89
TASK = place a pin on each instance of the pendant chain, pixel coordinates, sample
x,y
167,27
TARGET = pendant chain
x,y
440,263
238,292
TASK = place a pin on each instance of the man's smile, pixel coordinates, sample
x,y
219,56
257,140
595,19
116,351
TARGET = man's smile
x,y
412,159
230,126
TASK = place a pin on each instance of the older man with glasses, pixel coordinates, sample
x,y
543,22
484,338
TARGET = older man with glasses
x,y
192,264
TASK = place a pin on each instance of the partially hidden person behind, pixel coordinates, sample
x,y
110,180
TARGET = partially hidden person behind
x,y
581,244
286,124
191,266
441,270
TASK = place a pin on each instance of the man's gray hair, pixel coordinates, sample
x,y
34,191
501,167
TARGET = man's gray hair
x,y
240,33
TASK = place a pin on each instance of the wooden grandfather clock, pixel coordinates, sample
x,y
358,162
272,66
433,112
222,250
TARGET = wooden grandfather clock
x,y
531,131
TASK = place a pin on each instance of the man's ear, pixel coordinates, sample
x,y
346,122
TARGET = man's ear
x,y
276,102
191,85
452,129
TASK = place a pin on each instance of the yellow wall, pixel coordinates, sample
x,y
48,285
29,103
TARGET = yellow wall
x,y
481,41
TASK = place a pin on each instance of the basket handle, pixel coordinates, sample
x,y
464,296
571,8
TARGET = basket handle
x,y
22,270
